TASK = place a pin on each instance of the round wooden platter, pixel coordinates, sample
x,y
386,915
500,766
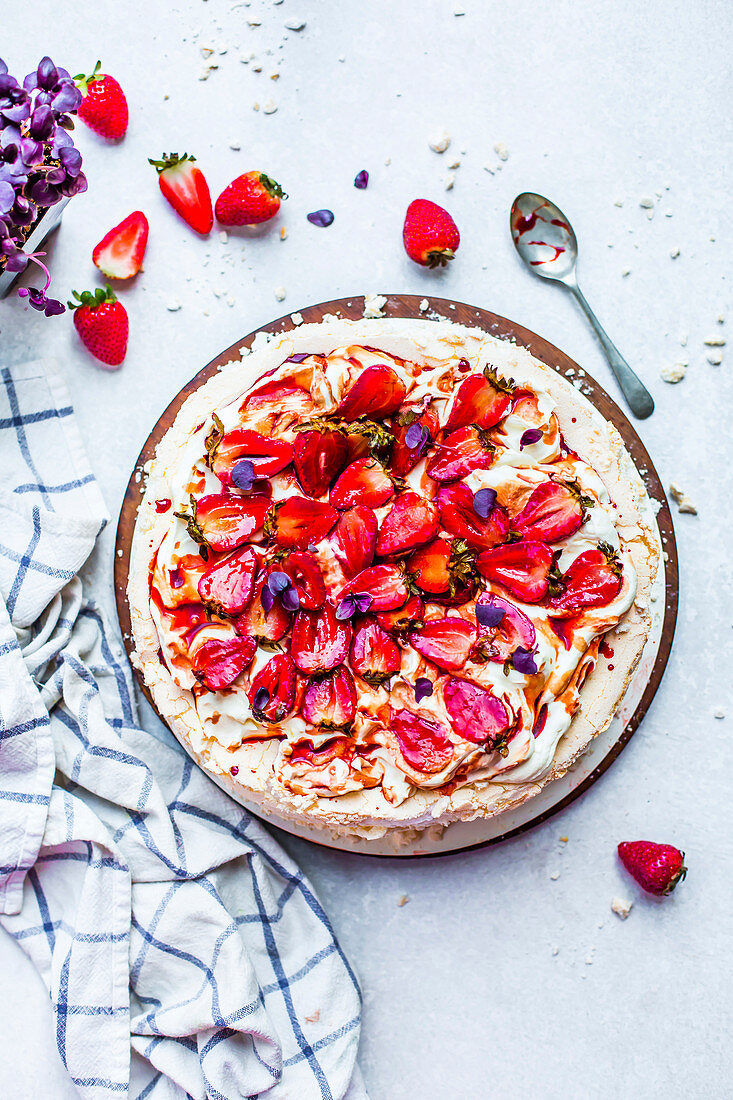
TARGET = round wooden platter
x,y
461,836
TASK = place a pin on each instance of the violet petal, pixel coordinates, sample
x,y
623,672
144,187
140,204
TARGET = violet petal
x,y
523,661
483,501
423,688
488,615
532,435
363,601
362,179
290,599
278,582
346,608
416,437
261,699
321,218
298,357
243,474
267,599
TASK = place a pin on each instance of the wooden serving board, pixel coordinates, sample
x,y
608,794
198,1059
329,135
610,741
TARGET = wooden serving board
x,y
408,305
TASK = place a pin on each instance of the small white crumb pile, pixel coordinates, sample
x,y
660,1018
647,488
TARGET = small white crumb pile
x,y
374,305
439,141
675,373
621,907
681,499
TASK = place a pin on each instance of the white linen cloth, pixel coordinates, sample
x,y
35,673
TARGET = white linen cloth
x,y
184,953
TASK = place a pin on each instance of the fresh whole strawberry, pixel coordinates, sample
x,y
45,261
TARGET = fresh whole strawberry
x,y
319,458
298,523
475,713
266,625
592,580
554,511
425,745
377,392
523,568
374,655
330,701
319,641
223,521
403,618
430,235
459,517
481,399
250,199
385,584
272,692
185,187
305,574
268,456
658,868
102,324
406,455
104,107
411,522
363,482
218,663
460,453
119,254
228,584
354,539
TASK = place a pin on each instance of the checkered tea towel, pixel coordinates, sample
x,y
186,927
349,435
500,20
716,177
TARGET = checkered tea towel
x,y
184,953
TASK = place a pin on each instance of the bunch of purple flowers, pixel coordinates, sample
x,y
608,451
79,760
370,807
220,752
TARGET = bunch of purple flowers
x,y
39,165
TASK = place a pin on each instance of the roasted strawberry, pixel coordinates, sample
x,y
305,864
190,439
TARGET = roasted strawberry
x,y
228,584
298,523
333,749
414,433
460,453
354,539
223,521
268,456
460,518
319,459
267,625
377,392
385,584
396,622
218,662
363,482
410,522
319,641
272,692
476,714
446,642
554,511
523,568
478,401
503,628
593,580
425,745
374,656
280,402
330,700
429,566
305,573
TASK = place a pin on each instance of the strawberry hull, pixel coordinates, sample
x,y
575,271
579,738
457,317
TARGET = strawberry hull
x,y
396,622
593,580
477,402
405,458
554,511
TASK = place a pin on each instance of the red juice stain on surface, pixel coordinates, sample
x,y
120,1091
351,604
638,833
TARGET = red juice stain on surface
x,y
464,365
611,667
162,505
234,770
605,649
523,225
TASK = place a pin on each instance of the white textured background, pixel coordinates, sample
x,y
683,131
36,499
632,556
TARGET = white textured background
x,y
498,978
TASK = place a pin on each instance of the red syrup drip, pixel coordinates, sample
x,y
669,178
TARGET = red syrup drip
x,y
523,225
606,650
162,505
556,248
559,222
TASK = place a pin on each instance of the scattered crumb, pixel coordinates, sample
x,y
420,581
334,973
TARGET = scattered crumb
x,y
719,713
556,951
374,305
245,58
683,502
555,876
501,150
295,24
206,72
563,840
315,1017
714,342
255,106
283,233
269,107
173,305
715,358
626,271
296,318
235,145
450,180
683,339
231,302
280,293
275,75
673,374
589,960
440,141
458,11
223,236
403,900
424,304
206,51
721,318
455,165
621,907
618,202
646,203
674,253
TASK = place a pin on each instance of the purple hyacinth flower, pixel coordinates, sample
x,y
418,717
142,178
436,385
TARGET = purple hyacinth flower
x,y
277,582
261,699
267,599
416,436
532,435
523,660
243,474
488,615
321,218
346,608
298,357
290,599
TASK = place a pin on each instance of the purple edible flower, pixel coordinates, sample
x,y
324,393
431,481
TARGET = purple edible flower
x,y
243,474
267,599
362,179
261,699
277,582
290,599
416,437
532,435
298,357
423,688
523,661
355,601
488,615
483,501
280,585
321,218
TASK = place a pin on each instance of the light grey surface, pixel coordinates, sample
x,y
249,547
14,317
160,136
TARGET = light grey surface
x,y
596,104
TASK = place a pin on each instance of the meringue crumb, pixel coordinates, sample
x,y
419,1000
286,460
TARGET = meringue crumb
x,y
719,713
563,840
621,907
255,106
715,358
245,58
403,901
235,145
626,271
223,236
555,876
450,180
618,202
589,960
275,75
283,233
714,342
673,374
315,1017
374,305
556,951
720,318
456,164
269,107
674,253
280,293
296,318
295,24
173,305
440,141
683,502
424,304
683,339
501,150
207,71
646,203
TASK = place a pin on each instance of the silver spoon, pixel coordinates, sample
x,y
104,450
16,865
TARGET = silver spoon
x,y
545,240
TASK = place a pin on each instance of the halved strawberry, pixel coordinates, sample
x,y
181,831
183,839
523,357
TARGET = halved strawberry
x,y
281,402
330,700
319,459
319,641
461,519
523,568
335,748
354,539
268,456
363,482
298,523
255,622
374,656
305,573
385,584
476,714
119,254
228,584
425,745
478,401
592,580
410,522
272,692
377,392
461,452
218,662
406,455
429,566
554,511
446,642
403,618
503,627
223,521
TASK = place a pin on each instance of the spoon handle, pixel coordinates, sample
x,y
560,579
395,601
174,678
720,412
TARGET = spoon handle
x,y
640,400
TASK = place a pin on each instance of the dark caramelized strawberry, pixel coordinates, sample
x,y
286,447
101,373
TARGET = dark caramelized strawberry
x,y
523,568
460,453
218,662
279,402
475,713
255,622
298,523
477,401
305,573
385,584
554,511
429,566
411,521
319,458
592,580
228,585
363,482
226,520
268,456
319,640
354,539
272,692
425,745
446,642
408,450
377,392
333,749
330,701
396,622
460,518
374,656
